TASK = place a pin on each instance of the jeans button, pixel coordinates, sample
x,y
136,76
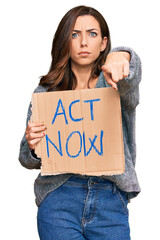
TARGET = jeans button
x,y
92,183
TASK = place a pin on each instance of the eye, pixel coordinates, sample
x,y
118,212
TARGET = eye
x,y
74,35
93,34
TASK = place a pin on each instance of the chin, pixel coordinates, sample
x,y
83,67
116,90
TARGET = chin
x,y
85,61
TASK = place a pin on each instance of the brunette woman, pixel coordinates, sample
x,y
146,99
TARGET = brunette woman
x,y
72,206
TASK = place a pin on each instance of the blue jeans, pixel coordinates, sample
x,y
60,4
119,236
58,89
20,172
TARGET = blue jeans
x,y
84,208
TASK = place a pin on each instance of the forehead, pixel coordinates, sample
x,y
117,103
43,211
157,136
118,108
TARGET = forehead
x,y
86,22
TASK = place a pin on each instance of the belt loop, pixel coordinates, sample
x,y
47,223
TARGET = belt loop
x,y
89,181
114,188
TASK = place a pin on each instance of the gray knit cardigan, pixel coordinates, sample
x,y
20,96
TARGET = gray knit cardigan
x,y
129,93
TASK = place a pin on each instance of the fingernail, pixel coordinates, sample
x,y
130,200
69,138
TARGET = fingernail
x,y
44,134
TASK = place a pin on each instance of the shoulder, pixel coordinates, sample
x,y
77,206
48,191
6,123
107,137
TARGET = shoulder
x,y
40,88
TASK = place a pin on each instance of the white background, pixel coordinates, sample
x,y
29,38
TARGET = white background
x,y
27,29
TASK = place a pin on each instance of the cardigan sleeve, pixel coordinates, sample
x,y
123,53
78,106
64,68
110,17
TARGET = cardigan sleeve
x,y
129,87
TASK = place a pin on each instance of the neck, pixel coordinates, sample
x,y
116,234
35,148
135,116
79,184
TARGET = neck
x,y
82,74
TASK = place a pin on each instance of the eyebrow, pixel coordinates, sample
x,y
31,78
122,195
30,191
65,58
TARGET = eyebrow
x,y
89,30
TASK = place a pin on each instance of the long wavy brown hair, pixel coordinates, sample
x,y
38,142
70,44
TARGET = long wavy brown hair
x,y
60,75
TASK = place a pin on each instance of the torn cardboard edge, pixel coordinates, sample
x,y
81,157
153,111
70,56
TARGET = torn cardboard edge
x,y
109,173
74,121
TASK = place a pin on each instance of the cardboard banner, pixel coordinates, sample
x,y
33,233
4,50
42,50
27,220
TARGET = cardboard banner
x,y
84,131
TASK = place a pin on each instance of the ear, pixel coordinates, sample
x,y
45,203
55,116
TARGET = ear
x,y
104,44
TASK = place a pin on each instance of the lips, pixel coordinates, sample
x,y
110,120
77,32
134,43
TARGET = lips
x,y
83,53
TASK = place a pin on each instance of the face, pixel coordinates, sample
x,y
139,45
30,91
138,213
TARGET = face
x,y
87,42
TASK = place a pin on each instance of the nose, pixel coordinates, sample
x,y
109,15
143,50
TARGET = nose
x,y
83,40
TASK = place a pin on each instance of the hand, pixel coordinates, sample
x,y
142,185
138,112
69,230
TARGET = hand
x,y
34,133
116,67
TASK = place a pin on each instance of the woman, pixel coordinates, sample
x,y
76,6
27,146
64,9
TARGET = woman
x,y
72,206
